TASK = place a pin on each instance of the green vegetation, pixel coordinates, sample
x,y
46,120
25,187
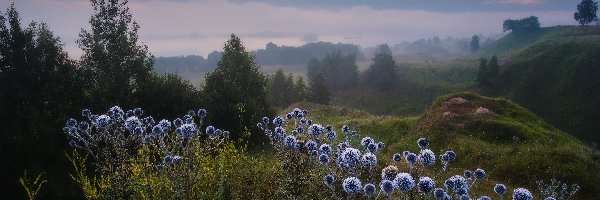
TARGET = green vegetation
x,y
283,91
318,92
339,70
382,73
586,12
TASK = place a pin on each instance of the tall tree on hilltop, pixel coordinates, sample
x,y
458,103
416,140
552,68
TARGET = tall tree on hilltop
x,y
235,93
482,74
118,65
299,90
279,89
474,43
318,91
586,12
382,73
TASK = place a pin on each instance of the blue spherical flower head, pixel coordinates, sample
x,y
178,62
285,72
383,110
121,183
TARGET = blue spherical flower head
x,y
218,132
148,139
129,113
178,122
265,120
425,184
177,159
278,121
290,141
309,122
86,112
468,174
299,130
369,160
157,130
165,125
465,197
446,196
389,172
380,145
168,160
522,194
366,141
427,157
397,157
138,130
305,113
201,113
500,189
296,112
369,190
350,158
138,112
462,191
372,147
438,193
329,128
352,185
325,149
387,187
132,122
324,158
191,113
411,158
71,123
329,179
315,129
331,135
149,120
289,116
404,182
103,121
451,155
116,112
188,119
187,130
479,174
303,121
423,143
225,134
457,183
279,134
342,147
210,131
311,145
484,198
345,129
84,126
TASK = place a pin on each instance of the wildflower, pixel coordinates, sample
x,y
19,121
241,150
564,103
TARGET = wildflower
x,y
210,131
352,185
323,158
300,145
84,126
315,129
465,197
329,128
165,124
218,132
129,113
345,129
484,198
387,187
311,145
457,183
103,121
296,112
225,134
116,112
397,157
423,143
188,119
369,190
380,145
149,120
448,157
342,147
427,157
500,189
278,121
157,130
303,121
132,122
201,113
468,174
147,139
168,159
329,179
479,174
178,122
191,113
369,160
411,158
425,184
290,141
265,120
438,193
71,123
522,194
325,149
404,182
350,158
372,147
86,112
309,122
288,116
305,113
447,196
389,172
366,141
177,159
138,112
299,129
187,130
331,135
138,130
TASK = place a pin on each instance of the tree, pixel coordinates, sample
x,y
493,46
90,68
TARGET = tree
x,y
235,94
474,43
39,87
521,25
318,91
299,91
339,70
111,53
279,89
168,96
586,12
493,67
482,74
382,73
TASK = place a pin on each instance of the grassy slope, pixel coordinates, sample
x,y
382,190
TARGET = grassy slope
x,y
541,152
555,73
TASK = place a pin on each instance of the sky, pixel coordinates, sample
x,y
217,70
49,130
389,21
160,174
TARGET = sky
x,y
198,27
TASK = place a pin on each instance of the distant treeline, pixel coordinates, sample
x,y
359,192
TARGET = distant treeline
x,y
271,55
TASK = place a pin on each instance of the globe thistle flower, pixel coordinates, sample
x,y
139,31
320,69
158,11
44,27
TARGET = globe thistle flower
x,y
201,113
225,134
148,139
177,159
210,131
345,129
397,157
329,179
72,143
168,160
369,190
372,147
315,129
157,130
86,112
468,174
329,128
72,130
352,185
479,173
380,145
299,130
427,157
309,122
178,122
132,122
138,112
484,198
457,183
446,196
116,112
288,116
296,112
522,194
290,141
369,160
462,191
410,158
314,153
425,184
331,135
187,130
465,197
71,123
149,120
311,145
500,189
303,121
325,149
353,133
191,113
279,134
188,119
423,143
323,158
278,121
366,141
350,158
165,124
138,130
129,113
387,187
103,121
300,145
404,182
342,147
438,193
305,113
448,157
84,126
389,172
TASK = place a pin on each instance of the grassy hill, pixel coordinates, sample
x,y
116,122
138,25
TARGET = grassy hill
x,y
513,145
555,73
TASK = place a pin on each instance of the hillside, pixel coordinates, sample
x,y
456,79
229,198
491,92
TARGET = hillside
x,y
509,141
554,73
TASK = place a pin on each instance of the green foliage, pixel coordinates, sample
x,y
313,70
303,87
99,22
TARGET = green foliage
x,y
273,54
167,96
488,71
283,91
299,90
339,70
236,92
32,187
522,25
586,12
39,86
112,56
382,73
474,44
318,92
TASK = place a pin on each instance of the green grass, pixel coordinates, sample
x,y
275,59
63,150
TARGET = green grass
x,y
541,152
